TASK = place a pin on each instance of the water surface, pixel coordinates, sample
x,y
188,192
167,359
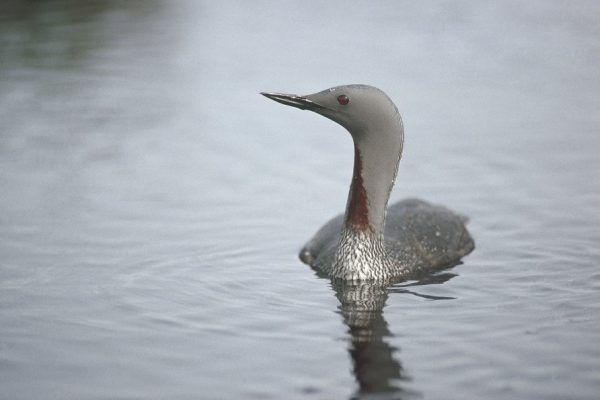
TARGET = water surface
x,y
153,204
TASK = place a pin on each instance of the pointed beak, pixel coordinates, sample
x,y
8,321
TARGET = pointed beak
x,y
295,101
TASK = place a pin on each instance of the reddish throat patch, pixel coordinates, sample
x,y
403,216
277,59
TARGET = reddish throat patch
x,y
357,215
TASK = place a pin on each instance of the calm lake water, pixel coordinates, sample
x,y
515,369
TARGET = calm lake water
x,y
152,203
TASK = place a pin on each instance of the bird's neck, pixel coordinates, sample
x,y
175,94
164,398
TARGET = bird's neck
x,y
357,208
372,181
360,253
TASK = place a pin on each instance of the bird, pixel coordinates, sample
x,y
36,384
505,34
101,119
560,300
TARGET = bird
x,y
371,241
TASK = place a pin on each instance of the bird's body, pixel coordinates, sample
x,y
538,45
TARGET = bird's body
x,y
418,237
371,241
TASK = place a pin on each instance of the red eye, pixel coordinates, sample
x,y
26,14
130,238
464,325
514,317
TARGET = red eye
x,y
343,99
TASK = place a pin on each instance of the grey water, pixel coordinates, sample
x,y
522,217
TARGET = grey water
x,y
152,203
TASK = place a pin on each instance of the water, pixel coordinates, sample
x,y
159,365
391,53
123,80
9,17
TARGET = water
x,y
153,203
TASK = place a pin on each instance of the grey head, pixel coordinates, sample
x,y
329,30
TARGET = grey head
x,y
376,129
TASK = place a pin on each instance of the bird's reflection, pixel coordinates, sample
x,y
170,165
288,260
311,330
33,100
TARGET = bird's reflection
x,y
377,369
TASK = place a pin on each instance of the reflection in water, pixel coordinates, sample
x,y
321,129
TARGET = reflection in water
x,y
376,368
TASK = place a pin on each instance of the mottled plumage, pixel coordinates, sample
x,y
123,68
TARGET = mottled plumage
x,y
418,237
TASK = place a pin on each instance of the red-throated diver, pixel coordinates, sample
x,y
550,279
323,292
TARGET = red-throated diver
x,y
368,242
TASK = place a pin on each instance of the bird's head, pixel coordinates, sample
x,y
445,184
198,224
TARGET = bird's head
x,y
361,109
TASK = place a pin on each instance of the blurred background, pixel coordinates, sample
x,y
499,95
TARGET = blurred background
x,y
152,203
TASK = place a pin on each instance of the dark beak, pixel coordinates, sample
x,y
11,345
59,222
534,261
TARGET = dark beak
x,y
295,101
